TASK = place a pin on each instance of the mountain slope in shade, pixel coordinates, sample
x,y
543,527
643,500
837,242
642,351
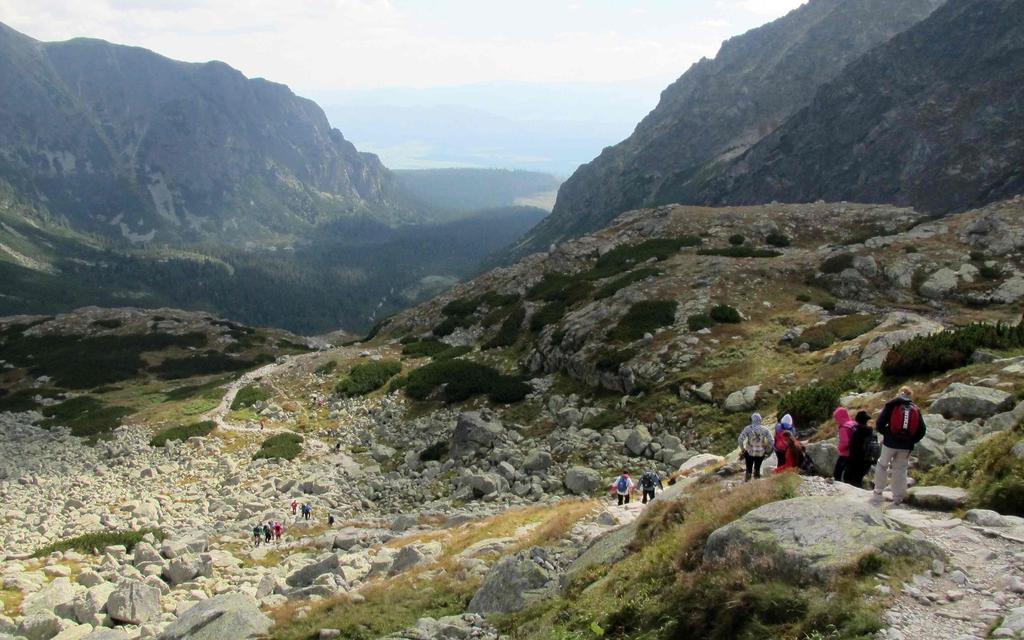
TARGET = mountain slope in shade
x,y
720,108
933,119
123,142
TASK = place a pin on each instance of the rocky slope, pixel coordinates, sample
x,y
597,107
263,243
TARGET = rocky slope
x,y
128,144
720,108
929,119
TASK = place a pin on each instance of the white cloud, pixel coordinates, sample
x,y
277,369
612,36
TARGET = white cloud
x,y
367,43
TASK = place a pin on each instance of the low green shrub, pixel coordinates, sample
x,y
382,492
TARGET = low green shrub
x,y
990,272
737,239
94,543
777,239
608,290
248,396
910,249
367,377
448,326
950,349
838,329
725,314
742,251
423,348
813,404
494,299
207,363
698,321
453,352
993,477
508,333
837,263
605,420
612,359
327,367
18,401
626,256
85,416
461,380
183,432
282,446
561,287
550,313
643,317
461,307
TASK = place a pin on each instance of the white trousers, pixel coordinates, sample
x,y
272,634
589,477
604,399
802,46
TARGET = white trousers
x,y
899,460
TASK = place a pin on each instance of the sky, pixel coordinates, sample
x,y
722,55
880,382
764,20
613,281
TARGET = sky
x,y
322,45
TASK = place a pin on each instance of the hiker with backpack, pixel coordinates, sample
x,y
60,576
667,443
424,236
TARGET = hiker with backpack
x,y
902,426
846,427
785,426
268,532
278,532
755,443
864,451
648,482
623,487
257,535
794,454
295,506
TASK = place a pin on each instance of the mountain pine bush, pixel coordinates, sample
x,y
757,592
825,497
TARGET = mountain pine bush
x,y
725,314
950,349
285,446
367,377
643,317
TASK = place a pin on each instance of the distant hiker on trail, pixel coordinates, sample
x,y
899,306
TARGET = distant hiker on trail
x,y
784,426
257,535
755,443
846,427
267,533
902,427
648,482
295,506
623,487
794,452
330,520
278,531
864,451
307,511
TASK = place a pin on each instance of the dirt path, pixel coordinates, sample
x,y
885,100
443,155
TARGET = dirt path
x,y
980,582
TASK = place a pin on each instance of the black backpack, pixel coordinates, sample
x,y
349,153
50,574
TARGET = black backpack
x,y
647,481
872,450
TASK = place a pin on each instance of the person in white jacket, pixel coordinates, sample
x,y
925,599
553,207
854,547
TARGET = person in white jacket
x,y
755,443
624,487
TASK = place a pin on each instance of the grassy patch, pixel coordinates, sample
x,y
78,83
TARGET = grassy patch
x,y
643,317
993,477
207,363
183,432
698,321
367,377
608,419
838,329
86,416
627,256
283,446
17,401
326,368
950,349
248,396
94,543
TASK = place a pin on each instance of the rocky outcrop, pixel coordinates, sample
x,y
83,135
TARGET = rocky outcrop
x,y
814,538
515,582
134,603
966,401
232,616
582,481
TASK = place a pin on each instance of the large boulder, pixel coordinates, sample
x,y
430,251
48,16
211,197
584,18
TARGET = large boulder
x,y
895,329
306,574
515,582
938,497
58,592
185,568
41,625
90,605
966,401
824,456
474,431
638,440
181,546
582,481
930,453
743,400
699,462
231,616
814,538
537,460
940,283
134,603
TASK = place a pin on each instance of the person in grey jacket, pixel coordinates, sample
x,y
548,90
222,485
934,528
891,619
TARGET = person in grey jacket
x,y
755,443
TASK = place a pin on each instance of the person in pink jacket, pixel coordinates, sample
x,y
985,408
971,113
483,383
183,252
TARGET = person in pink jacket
x,y
846,427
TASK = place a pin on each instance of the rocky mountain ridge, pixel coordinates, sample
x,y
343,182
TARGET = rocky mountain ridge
x,y
125,143
720,108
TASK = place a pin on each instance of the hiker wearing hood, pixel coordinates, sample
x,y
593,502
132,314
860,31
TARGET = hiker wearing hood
x,y
784,426
864,451
846,426
794,454
755,443
902,426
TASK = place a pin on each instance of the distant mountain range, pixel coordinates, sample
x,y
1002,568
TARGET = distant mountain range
x,y
122,142
721,108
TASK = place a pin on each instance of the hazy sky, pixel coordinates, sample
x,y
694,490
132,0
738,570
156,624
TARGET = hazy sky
x,y
322,44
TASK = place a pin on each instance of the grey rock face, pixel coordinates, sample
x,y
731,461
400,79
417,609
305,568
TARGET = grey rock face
x,y
407,558
582,480
473,432
966,401
513,583
937,497
304,576
537,461
813,537
232,616
824,456
134,603
743,400
58,592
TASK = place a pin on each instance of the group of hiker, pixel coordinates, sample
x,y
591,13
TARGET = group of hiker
x,y
624,486
271,530
305,509
900,423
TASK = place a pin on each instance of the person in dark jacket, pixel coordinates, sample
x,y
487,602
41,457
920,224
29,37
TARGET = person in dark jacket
x,y
857,465
902,426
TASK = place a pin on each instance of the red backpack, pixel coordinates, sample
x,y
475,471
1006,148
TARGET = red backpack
x,y
904,421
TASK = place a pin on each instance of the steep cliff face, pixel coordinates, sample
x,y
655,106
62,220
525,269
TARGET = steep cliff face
x,y
719,108
124,142
931,119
